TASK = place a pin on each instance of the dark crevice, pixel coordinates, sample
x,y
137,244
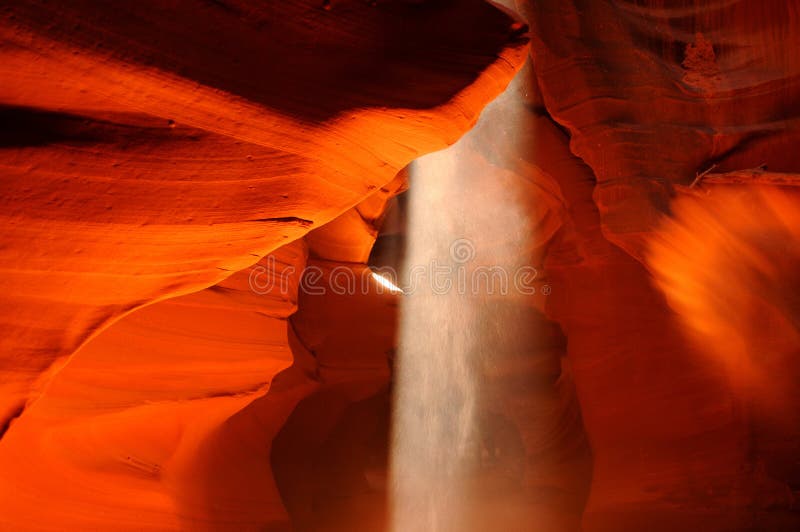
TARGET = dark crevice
x,y
28,127
286,220
16,413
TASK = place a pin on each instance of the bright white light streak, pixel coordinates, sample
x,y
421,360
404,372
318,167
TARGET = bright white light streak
x,y
458,195
386,283
435,382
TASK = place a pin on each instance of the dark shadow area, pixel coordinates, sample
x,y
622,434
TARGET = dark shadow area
x,y
310,59
330,461
24,127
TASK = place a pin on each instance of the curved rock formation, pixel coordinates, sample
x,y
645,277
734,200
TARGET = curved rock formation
x,y
655,92
155,149
653,95
180,176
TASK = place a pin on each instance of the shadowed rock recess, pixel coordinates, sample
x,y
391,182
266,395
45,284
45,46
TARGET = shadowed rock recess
x,y
221,227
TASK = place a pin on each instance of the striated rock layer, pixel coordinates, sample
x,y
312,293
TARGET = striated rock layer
x,y
687,404
169,169
153,149
653,92
165,420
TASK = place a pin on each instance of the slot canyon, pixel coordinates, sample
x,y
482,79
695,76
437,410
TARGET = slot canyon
x,y
400,265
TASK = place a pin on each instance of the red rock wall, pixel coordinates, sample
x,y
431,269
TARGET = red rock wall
x,y
154,149
653,94
153,154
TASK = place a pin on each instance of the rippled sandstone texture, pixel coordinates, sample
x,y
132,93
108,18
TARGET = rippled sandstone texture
x,y
150,150
690,423
153,150
153,154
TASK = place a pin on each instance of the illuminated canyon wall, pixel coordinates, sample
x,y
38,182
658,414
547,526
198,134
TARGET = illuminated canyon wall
x,y
177,175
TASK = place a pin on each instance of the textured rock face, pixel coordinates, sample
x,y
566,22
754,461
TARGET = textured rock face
x,y
151,150
686,428
122,436
168,170
653,92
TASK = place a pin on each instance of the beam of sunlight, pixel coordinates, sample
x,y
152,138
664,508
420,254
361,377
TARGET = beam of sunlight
x,y
435,385
464,215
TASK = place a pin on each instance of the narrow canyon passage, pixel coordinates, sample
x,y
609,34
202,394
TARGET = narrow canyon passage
x,y
400,265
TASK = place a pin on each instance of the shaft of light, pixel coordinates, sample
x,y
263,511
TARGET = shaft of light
x,y
465,211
